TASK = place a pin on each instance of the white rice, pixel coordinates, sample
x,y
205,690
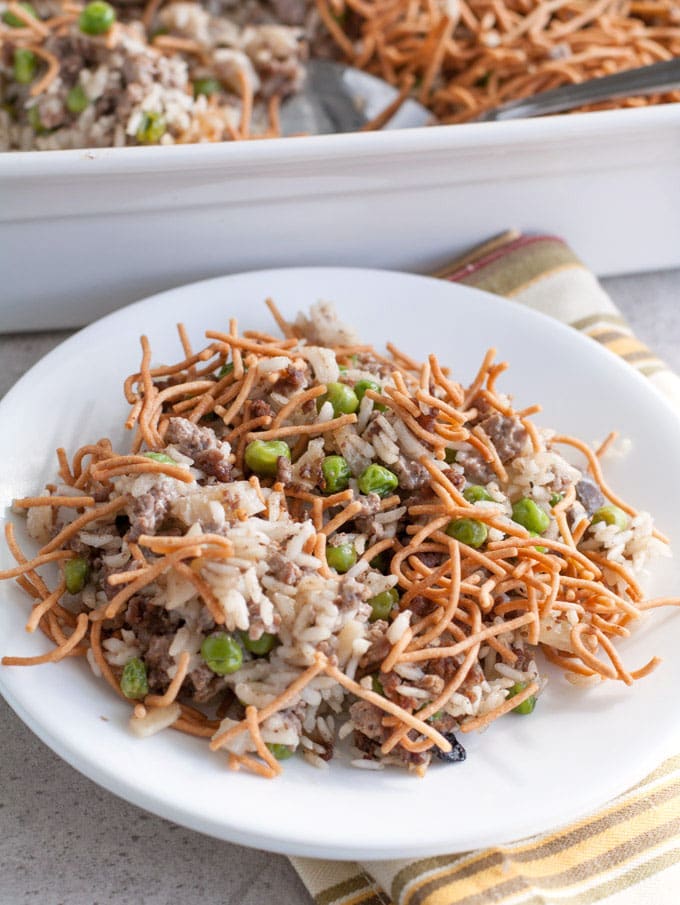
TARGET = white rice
x,y
156,720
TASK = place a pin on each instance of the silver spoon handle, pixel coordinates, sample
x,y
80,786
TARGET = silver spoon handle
x,y
663,76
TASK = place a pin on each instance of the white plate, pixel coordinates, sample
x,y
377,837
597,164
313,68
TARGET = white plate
x,y
524,775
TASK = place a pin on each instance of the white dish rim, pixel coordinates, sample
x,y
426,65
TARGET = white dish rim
x,y
244,156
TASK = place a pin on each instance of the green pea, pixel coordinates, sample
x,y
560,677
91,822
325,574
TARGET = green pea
x,y
33,115
450,456
262,456
97,18
336,474
208,87
526,707
133,682
280,752
225,369
381,605
360,389
341,558
556,498
378,479
160,457
361,386
540,548
264,644
377,685
77,100
468,531
14,21
530,516
222,653
342,397
25,66
475,493
611,515
76,573
151,129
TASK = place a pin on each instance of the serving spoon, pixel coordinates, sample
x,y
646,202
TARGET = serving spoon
x,y
656,77
340,98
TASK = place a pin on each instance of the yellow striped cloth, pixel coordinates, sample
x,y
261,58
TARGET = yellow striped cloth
x,y
628,853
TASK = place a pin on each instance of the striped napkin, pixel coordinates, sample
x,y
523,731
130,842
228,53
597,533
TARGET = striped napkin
x,y
628,853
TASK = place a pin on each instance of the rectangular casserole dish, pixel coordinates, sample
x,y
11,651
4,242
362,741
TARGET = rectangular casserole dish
x,y
84,232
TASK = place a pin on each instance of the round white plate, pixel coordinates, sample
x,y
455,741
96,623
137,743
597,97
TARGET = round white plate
x,y
525,774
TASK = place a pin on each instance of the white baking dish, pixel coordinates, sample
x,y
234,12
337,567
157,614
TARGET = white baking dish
x,y
83,232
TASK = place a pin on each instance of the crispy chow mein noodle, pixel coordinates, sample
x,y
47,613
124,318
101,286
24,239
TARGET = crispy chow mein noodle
x,y
311,540
468,56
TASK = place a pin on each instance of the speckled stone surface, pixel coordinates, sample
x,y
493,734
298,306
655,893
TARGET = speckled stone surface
x,y
64,841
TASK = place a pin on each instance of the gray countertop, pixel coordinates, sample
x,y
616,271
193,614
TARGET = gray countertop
x,y
64,841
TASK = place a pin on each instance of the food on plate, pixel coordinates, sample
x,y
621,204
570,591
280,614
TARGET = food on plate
x,y
102,74
310,540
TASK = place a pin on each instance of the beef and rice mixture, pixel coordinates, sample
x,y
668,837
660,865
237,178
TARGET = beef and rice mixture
x,y
192,75
311,541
